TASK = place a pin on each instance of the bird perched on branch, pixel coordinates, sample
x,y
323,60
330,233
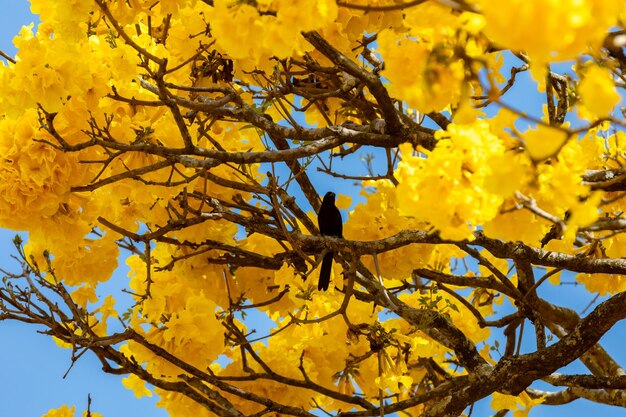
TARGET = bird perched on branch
x,y
330,224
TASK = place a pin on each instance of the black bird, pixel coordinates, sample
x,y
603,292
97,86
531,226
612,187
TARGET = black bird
x,y
330,224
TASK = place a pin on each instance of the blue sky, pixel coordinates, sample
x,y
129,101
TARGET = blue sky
x,y
31,380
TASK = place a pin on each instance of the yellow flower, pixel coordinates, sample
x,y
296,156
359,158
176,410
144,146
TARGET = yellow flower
x,y
550,29
137,385
394,383
310,14
583,214
503,402
344,201
66,16
259,37
360,225
597,91
520,405
107,309
602,284
35,177
85,294
63,411
543,142
454,188
428,79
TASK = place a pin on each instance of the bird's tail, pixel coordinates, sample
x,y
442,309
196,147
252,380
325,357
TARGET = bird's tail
x,y
327,264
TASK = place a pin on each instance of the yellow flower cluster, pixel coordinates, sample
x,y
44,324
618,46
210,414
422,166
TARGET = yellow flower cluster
x,y
550,29
180,312
387,221
70,18
459,185
36,178
427,79
597,92
251,36
46,72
